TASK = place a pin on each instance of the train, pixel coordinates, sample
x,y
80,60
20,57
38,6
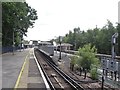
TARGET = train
x,y
46,47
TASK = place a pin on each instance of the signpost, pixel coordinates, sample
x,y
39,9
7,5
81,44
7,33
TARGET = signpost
x,y
60,40
110,65
119,70
104,63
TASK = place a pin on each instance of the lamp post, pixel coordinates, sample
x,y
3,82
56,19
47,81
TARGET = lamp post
x,y
55,44
20,41
113,41
13,42
21,35
60,40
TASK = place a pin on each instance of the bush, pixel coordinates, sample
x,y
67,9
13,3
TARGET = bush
x,y
93,72
88,56
73,62
86,60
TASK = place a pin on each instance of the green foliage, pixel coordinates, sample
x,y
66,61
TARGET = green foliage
x,y
88,56
76,62
79,60
93,72
87,60
73,60
16,17
17,39
98,37
26,42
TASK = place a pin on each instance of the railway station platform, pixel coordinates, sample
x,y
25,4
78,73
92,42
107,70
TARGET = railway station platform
x,y
31,78
20,70
11,65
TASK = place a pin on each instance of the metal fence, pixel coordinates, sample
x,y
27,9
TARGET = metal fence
x,y
8,49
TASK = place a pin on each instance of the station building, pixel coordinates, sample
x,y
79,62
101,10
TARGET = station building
x,y
64,46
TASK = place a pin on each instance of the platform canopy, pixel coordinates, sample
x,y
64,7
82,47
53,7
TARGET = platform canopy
x,y
65,44
45,43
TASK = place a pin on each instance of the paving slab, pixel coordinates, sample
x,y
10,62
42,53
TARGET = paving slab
x,y
11,66
31,77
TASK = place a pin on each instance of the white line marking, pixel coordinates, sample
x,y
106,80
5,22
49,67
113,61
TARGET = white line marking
x,y
44,79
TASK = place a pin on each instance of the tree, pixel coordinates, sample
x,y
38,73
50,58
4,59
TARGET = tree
x,y
86,60
87,52
73,62
75,37
98,37
16,17
93,72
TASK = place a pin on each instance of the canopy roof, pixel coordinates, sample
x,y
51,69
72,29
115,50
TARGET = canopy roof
x,y
65,44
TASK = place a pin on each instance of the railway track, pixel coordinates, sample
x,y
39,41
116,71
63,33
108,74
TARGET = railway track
x,y
59,79
88,83
56,78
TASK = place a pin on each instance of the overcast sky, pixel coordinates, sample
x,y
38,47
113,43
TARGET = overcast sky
x,y
57,17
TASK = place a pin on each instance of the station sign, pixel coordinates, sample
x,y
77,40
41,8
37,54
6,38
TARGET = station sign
x,y
104,63
109,64
119,70
112,65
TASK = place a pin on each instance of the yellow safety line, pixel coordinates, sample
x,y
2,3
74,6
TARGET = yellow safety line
x,y
23,66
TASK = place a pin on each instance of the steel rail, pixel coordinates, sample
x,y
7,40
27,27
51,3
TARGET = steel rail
x,y
71,81
49,83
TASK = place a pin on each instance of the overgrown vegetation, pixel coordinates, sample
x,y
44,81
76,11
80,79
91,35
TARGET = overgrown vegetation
x,y
73,62
93,71
87,52
86,60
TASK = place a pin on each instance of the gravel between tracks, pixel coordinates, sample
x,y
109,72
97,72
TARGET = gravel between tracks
x,y
65,66
50,71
